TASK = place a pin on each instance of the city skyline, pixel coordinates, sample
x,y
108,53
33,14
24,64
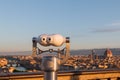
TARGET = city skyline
x,y
89,24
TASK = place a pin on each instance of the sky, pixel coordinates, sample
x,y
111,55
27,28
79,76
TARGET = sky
x,y
89,23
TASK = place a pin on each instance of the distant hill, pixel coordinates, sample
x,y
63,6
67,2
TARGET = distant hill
x,y
115,51
16,53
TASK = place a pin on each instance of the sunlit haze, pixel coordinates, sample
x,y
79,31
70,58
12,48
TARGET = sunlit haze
x,y
88,23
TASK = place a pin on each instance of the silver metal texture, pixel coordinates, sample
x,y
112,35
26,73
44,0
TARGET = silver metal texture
x,y
49,63
50,67
50,75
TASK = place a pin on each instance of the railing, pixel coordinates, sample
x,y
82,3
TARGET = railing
x,y
65,75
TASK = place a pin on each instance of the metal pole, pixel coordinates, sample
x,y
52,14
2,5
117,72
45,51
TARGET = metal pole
x,y
50,75
50,67
34,47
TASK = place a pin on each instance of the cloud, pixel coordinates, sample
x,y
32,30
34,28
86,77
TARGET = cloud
x,y
106,30
113,27
114,24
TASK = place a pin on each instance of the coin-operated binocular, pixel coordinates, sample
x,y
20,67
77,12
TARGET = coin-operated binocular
x,y
55,40
50,64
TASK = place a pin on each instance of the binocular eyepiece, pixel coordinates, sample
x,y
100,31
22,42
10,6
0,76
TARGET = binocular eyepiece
x,y
50,40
